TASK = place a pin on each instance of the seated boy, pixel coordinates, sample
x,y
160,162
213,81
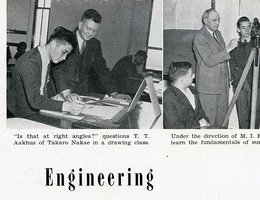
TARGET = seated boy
x,y
181,105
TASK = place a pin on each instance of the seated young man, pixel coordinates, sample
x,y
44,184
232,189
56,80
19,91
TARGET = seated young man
x,y
181,105
31,74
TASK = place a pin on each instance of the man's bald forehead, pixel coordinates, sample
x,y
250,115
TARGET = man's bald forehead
x,y
213,12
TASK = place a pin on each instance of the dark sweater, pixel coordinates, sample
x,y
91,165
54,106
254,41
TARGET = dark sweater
x,y
239,57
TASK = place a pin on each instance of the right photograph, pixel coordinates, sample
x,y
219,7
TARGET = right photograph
x,y
211,64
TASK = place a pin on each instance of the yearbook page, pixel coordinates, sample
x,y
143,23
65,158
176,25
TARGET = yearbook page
x,y
46,156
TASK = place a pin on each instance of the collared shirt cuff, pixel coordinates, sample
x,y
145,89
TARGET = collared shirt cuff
x,y
65,93
114,94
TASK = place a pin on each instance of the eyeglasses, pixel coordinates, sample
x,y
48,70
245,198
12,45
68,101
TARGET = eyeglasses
x,y
88,29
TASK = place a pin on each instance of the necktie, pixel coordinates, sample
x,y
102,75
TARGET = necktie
x,y
215,37
83,46
245,41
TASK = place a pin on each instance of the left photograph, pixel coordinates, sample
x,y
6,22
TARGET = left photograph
x,y
84,64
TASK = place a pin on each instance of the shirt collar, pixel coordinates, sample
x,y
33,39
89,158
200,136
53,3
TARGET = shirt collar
x,y
80,40
133,59
210,31
45,57
246,39
45,63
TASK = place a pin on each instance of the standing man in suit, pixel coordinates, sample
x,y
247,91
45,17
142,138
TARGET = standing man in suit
x,y
74,72
31,73
181,104
212,74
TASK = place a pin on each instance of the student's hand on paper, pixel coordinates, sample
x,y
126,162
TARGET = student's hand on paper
x,y
232,44
121,96
74,107
58,97
72,97
203,122
149,73
125,97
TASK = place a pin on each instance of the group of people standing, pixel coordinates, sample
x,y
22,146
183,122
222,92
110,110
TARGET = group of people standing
x,y
207,105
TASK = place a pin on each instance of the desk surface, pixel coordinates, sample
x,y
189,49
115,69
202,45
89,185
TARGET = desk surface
x,y
141,117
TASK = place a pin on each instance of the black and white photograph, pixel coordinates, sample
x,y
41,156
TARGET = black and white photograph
x,y
84,64
129,99
211,51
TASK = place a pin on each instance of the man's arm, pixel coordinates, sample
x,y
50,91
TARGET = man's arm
x,y
234,70
32,91
102,71
30,77
59,75
232,65
105,75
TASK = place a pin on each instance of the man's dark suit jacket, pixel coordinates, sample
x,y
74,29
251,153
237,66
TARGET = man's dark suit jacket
x,y
27,83
178,112
73,73
211,68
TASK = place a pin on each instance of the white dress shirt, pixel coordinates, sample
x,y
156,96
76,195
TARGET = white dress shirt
x,y
45,63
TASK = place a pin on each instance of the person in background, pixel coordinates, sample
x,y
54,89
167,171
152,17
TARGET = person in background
x,y
212,73
181,104
239,57
128,72
31,73
75,71
21,47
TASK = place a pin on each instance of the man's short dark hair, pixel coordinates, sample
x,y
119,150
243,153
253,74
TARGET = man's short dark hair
x,y
177,70
242,19
63,35
141,53
21,46
92,14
